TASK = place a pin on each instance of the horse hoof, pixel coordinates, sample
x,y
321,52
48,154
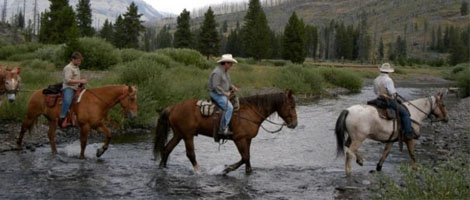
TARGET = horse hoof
x,y
249,171
99,152
379,168
359,162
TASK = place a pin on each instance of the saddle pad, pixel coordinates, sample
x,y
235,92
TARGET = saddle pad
x,y
80,95
206,106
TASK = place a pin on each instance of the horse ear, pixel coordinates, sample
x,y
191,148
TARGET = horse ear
x,y
130,89
16,70
289,93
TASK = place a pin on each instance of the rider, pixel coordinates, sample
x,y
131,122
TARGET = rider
x,y
220,87
385,89
70,83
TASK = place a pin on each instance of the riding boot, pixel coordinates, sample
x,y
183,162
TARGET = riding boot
x,y
60,122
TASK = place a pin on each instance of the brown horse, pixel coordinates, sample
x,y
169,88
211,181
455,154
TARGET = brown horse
x,y
186,121
91,113
10,82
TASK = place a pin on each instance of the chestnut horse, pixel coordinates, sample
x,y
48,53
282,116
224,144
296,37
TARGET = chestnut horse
x,y
186,121
91,113
363,121
10,82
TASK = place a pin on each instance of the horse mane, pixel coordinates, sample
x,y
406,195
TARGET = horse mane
x,y
264,100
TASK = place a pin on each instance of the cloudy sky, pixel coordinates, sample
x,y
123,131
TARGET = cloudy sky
x,y
176,6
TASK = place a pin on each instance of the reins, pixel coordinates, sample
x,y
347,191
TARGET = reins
x,y
428,115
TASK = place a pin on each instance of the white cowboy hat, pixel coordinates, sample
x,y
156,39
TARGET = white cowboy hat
x,y
227,58
386,68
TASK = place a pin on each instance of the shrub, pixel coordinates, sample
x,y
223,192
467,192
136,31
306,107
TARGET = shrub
x,y
463,82
9,50
437,62
52,53
163,59
23,56
37,64
97,53
298,79
460,67
280,63
187,57
342,78
128,55
245,67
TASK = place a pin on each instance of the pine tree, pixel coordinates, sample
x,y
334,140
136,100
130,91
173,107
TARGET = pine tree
x,y
58,25
233,43
183,37
164,38
224,27
464,8
4,11
119,36
132,26
364,40
20,23
255,32
312,40
276,45
440,41
456,47
381,49
107,31
84,20
208,40
294,40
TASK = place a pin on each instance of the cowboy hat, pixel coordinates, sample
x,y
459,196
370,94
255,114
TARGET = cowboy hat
x,y
386,68
227,58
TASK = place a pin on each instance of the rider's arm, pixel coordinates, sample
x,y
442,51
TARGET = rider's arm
x,y
390,87
216,82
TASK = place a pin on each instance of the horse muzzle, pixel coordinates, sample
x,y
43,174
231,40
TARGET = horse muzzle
x,y
292,125
11,98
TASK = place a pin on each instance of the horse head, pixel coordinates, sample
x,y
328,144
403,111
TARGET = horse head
x,y
129,102
11,81
287,110
440,110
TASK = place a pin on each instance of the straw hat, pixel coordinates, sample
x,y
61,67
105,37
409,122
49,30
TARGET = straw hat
x,y
227,58
386,68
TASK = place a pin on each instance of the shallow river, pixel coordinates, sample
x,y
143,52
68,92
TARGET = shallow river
x,y
292,164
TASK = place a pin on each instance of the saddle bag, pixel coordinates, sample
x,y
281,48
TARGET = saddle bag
x,y
53,89
51,99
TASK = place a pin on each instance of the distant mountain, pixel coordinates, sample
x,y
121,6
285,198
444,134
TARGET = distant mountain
x,y
101,9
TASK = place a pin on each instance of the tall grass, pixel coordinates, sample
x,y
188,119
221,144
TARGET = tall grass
x,y
463,82
342,77
448,180
299,79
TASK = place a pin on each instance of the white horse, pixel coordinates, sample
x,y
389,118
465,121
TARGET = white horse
x,y
10,82
363,121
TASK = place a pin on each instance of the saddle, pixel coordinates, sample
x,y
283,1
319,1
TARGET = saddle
x,y
384,111
53,95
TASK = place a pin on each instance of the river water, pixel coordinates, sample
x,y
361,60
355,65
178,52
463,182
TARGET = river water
x,y
292,164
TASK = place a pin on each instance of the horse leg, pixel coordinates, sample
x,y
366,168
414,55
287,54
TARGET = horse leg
x,y
242,147
169,148
387,149
350,152
51,135
410,146
84,129
107,133
248,169
189,143
27,125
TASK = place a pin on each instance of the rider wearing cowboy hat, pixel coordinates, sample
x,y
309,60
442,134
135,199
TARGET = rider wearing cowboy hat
x,y
220,87
385,89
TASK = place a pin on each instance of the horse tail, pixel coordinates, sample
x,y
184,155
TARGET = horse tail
x,y
161,132
340,130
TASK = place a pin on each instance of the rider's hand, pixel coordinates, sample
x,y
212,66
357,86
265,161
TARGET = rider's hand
x,y
83,81
228,94
235,89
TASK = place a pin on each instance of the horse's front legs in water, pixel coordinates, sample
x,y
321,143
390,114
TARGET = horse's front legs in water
x,y
411,150
51,134
107,133
242,146
84,129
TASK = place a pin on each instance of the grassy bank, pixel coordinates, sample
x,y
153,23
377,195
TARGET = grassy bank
x,y
163,77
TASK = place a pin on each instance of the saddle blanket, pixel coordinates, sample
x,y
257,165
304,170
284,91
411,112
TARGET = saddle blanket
x,y
206,106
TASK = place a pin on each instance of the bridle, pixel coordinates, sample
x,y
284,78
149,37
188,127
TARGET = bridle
x,y
431,109
125,93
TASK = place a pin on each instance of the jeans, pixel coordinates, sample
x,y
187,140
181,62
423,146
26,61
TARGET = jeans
x,y
226,105
405,117
66,101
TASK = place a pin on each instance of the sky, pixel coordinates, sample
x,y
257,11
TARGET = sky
x,y
176,6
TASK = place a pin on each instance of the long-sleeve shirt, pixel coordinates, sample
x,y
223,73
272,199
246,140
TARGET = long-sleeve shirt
x,y
219,81
71,72
384,86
